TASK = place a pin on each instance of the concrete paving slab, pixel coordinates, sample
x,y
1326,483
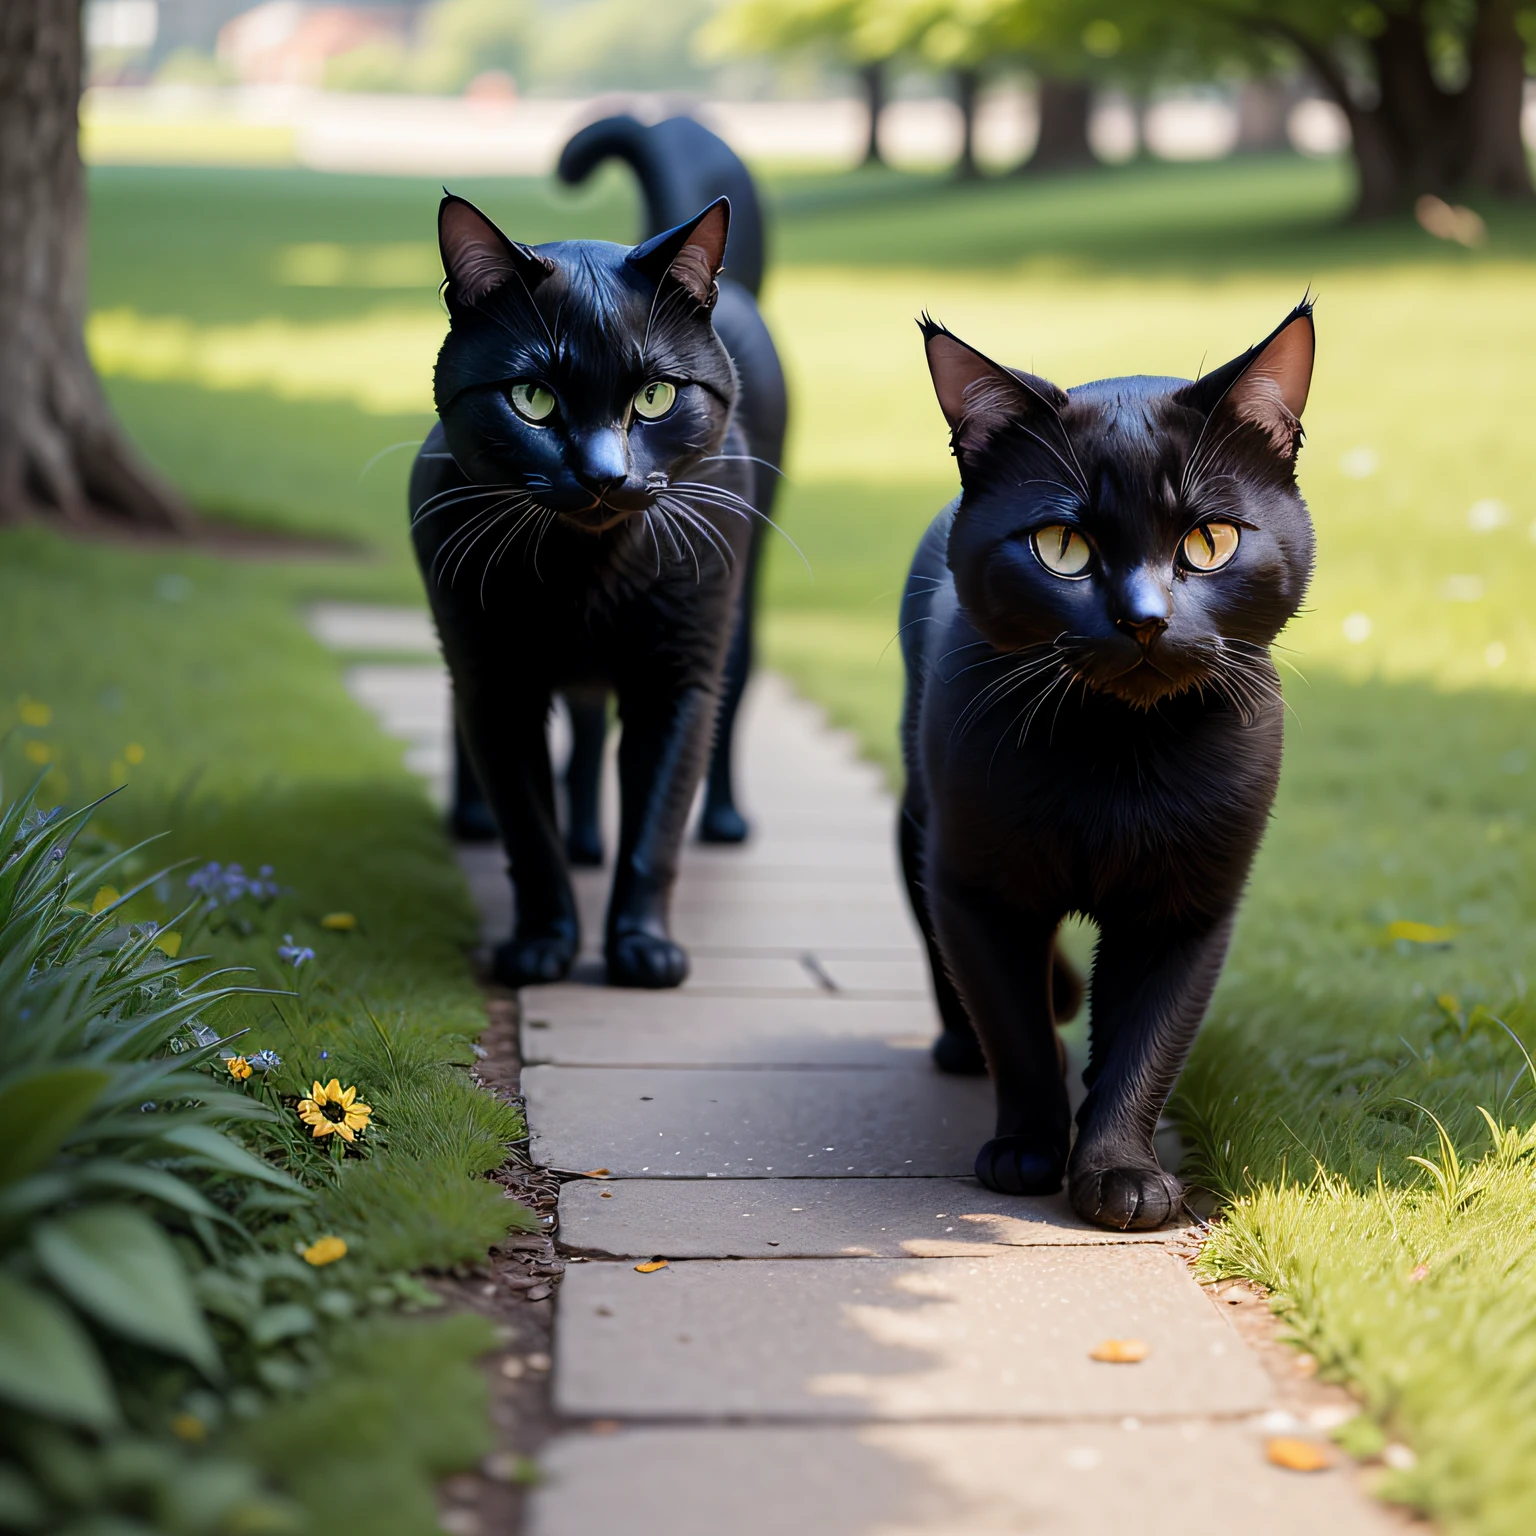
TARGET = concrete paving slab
x,y
369,627
843,1122
816,1219
891,973
578,1027
1005,1335
939,1480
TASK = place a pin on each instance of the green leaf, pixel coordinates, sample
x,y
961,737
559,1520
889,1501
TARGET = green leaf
x,y
38,1111
202,1141
116,1264
22,1507
286,1321
48,1364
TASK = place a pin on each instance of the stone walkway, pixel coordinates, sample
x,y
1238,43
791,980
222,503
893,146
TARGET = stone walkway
x,y
848,1337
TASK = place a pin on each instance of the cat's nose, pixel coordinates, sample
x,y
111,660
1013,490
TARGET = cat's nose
x,y
1145,630
601,463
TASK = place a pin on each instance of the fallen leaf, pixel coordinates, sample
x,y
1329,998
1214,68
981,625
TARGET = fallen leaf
x,y
1298,1455
1120,1351
650,1266
605,1194
595,1173
1419,933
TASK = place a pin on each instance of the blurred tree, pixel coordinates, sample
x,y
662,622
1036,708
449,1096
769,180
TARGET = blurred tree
x,y
1433,89
832,29
60,447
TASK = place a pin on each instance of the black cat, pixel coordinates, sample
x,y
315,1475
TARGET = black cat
x,y
582,515
1093,725
681,166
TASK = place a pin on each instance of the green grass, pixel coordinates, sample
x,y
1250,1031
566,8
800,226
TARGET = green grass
x,y
266,334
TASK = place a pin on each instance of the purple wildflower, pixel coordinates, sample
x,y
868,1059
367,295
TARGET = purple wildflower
x,y
294,954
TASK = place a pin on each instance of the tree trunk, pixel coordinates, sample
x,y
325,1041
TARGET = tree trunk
x,y
1420,138
1262,108
59,445
872,77
967,89
1063,144
1494,148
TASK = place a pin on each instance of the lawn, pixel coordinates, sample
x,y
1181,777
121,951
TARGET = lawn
x,y
267,335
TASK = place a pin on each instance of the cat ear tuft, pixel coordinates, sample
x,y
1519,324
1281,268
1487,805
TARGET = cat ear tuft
x,y
477,257
1267,386
977,395
692,254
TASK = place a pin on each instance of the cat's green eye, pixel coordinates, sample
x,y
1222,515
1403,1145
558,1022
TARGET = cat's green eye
x,y
655,399
1062,550
533,402
1210,546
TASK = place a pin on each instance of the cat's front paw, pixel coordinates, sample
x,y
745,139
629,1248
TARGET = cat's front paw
x,y
1134,1198
534,959
1015,1165
723,823
639,959
959,1053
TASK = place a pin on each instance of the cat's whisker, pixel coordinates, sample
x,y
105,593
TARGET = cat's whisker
x,y
743,458
706,530
472,526
490,527
743,509
455,495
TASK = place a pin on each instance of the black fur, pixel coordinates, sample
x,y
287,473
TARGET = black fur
x,y
681,166
1106,742
592,548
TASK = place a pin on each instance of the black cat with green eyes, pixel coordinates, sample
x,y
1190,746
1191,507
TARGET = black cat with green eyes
x,y
1093,725
581,515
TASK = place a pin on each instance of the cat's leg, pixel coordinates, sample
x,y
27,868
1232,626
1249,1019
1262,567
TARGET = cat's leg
x,y
957,1050
1150,992
470,820
1001,963
661,759
588,709
508,740
721,821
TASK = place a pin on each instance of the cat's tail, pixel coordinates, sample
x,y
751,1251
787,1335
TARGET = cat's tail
x,y
682,168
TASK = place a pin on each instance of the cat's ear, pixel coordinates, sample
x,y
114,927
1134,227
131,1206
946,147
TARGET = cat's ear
x,y
1267,386
477,257
692,254
977,395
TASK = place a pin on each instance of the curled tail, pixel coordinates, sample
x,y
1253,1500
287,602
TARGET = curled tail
x,y
682,167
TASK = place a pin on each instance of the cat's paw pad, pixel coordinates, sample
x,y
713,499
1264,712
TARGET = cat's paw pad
x,y
645,960
723,824
1013,1165
1126,1199
959,1054
534,960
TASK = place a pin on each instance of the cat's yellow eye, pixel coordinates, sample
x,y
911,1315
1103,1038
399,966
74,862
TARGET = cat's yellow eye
x,y
533,402
1062,550
1210,546
655,399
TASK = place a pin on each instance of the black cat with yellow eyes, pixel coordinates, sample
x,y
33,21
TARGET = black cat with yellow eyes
x,y
581,515
1093,725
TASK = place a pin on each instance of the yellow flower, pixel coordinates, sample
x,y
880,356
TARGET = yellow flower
x,y
339,922
133,753
34,712
103,899
325,1251
334,1108
38,752
187,1426
239,1067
